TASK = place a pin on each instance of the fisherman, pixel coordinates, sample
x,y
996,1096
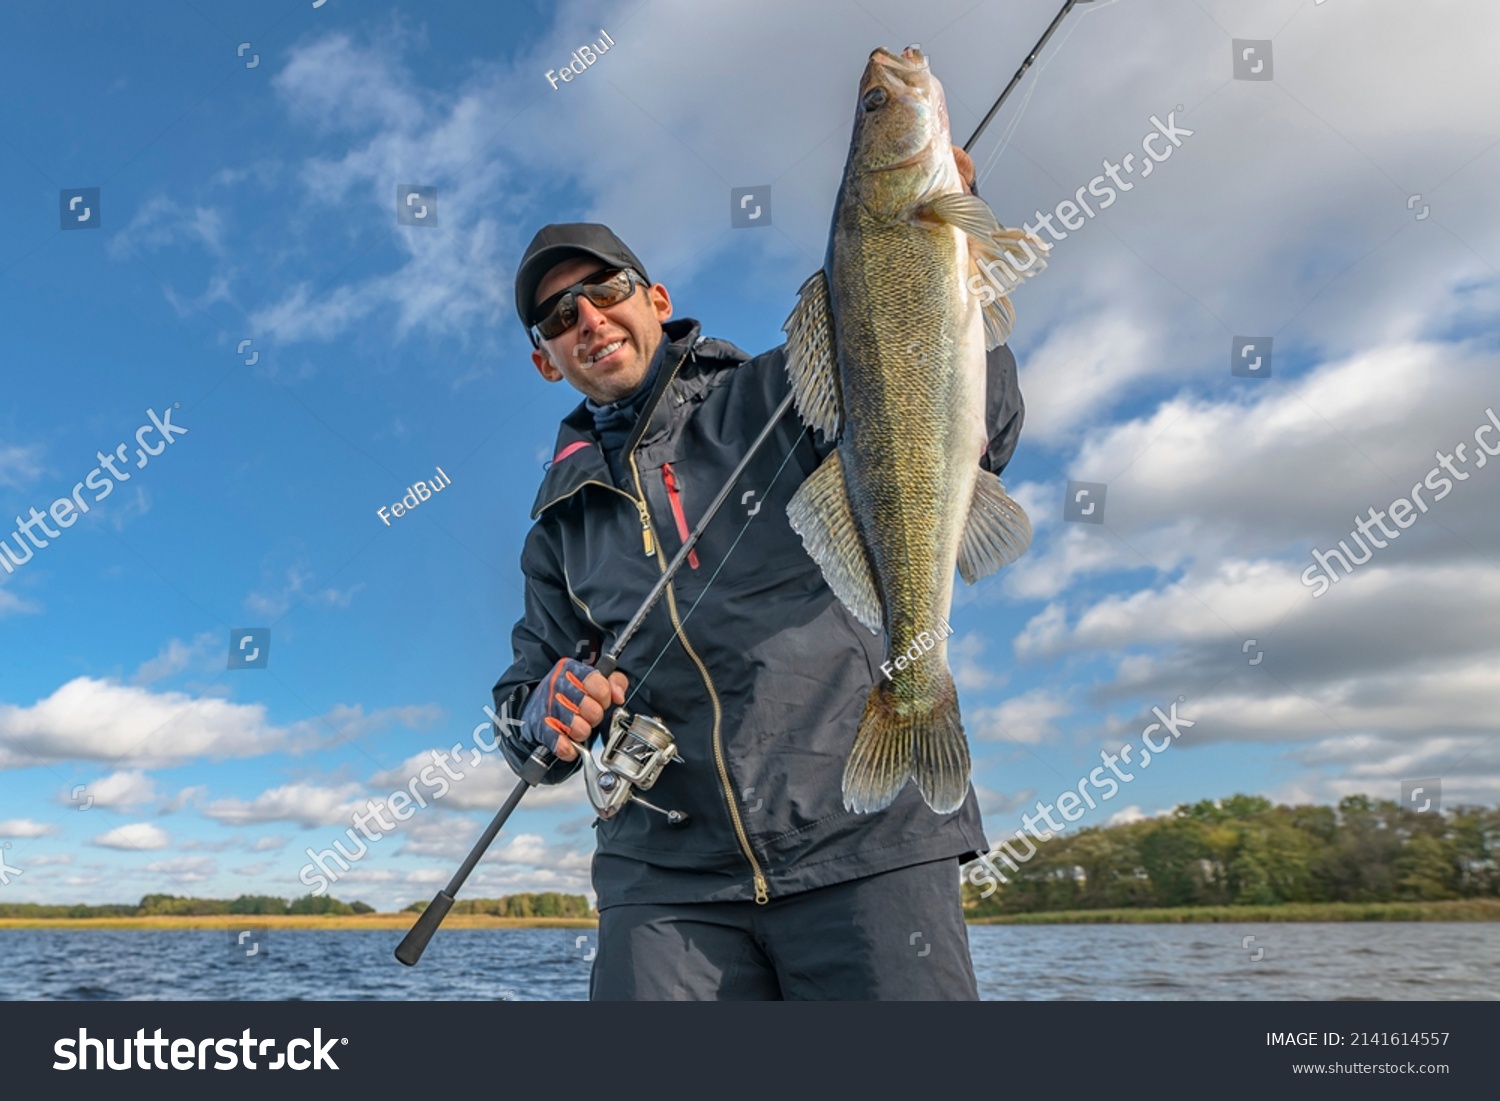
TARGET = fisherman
x,y
771,889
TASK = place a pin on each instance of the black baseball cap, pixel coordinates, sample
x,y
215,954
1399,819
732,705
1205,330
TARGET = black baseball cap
x,y
561,241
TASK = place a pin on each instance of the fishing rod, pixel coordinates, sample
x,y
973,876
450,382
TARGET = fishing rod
x,y
617,767
1016,79
637,748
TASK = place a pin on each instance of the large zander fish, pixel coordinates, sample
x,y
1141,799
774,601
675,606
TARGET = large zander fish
x,y
886,352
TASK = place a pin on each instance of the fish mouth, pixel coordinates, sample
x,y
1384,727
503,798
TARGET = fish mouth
x,y
901,72
910,59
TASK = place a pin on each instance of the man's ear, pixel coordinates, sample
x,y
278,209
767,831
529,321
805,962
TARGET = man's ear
x,y
661,302
545,366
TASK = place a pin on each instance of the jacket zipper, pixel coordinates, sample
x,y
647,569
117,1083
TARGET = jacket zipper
x,y
646,535
762,889
675,496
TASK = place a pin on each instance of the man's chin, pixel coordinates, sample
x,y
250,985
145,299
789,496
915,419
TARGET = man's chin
x,y
618,385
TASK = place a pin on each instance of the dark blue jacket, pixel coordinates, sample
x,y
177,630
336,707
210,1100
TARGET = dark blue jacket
x,y
761,675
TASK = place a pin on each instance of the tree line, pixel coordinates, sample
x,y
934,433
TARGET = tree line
x,y
173,906
1244,851
545,904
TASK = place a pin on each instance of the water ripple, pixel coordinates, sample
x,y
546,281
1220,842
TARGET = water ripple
x,y
1341,962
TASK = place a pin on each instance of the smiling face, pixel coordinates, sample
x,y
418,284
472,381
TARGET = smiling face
x,y
582,354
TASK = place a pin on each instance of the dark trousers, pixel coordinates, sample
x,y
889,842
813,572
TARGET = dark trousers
x,y
898,935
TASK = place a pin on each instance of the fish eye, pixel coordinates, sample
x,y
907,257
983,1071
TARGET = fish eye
x,y
874,98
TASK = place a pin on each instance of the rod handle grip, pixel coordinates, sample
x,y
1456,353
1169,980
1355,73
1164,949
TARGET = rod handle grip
x,y
410,950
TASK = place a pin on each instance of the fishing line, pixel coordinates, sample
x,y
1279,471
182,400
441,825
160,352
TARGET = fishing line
x,y
713,576
1016,121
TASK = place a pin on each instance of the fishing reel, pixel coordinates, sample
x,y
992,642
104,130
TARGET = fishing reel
x,y
628,760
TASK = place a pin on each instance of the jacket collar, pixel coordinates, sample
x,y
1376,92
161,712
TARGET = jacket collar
x,y
577,458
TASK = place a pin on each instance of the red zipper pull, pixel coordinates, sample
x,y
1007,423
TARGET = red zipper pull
x,y
670,480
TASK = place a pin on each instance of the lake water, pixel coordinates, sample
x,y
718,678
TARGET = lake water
x,y
1387,960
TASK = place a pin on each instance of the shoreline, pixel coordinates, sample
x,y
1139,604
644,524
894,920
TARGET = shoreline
x,y
231,922
1459,910
1478,909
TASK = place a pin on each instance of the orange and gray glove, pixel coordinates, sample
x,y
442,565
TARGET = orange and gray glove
x,y
568,704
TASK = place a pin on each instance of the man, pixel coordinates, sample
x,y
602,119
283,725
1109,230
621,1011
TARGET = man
x,y
771,889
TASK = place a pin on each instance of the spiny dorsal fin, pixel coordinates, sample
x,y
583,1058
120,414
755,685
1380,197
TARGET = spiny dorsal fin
x,y
811,362
820,513
996,533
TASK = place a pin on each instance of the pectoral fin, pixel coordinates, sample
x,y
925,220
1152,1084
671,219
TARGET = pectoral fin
x,y
810,359
1002,257
819,512
997,531
969,213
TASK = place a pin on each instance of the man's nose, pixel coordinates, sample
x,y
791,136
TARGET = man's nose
x,y
590,317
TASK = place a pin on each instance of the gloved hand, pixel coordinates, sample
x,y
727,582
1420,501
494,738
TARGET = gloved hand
x,y
568,704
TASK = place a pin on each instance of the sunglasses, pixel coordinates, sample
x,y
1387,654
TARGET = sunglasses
x,y
559,313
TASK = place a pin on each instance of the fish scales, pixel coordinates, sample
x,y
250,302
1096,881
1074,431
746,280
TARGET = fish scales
x,y
907,450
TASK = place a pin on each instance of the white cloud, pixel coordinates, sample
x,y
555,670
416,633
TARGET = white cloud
x,y
177,656
1080,370
1127,815
139,836
43,860
160,222
184,869
11,604
20,465
1027,718
89,719
24,827
297,586
485,780
306,804
123,790
970,669
992,802
450,840
184,797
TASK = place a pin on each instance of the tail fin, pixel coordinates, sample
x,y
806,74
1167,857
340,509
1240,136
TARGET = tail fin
x,y
899,741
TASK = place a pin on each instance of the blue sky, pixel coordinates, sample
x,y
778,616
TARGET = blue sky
x,y
258,203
